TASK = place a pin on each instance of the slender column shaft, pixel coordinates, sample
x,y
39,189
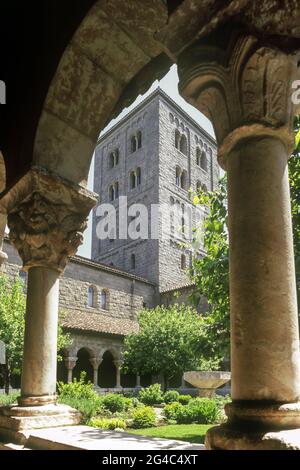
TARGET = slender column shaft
x,y
38,383
265,337
70,376
138,380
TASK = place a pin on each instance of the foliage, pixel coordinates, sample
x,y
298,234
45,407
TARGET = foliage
x,y
108,423
170,340
115,402
170,396
81,396
204,410
6,400
171,410
143,417
151,395
184,432
211,273
12,325
184,399
198,410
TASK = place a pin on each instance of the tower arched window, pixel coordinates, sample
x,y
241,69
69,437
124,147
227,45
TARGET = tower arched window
x,y
133,144
116,190
183,179
204,188
91,297
132,180
111,193
183,261
104,299
198,187
139,139
138,176
178,176
183,144
203,161
132,261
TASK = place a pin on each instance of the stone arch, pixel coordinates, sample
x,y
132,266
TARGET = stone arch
x,y
83,364
87,84
107,370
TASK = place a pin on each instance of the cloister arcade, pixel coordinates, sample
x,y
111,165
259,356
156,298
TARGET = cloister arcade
x,y
237,63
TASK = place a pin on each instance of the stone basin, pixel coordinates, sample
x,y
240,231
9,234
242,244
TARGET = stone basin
x,y
207,381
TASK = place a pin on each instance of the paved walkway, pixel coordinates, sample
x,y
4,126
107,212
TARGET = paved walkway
x,y
88,438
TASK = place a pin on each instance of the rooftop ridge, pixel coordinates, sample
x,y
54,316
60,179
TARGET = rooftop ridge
x,y
157,92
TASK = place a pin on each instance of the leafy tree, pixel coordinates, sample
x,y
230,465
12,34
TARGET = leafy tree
x,y
12,326
170,341
211,273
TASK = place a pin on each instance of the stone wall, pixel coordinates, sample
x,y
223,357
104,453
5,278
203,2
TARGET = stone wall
x,y
126,294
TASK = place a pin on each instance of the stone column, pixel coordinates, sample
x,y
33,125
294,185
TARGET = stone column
x,y
70,363
118,364
183,385
245,89
138,381
46,217
95,363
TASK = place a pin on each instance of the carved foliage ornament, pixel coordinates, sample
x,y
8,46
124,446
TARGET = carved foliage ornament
x,y
44,233
247,87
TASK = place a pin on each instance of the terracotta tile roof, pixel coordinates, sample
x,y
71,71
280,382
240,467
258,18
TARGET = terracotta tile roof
x,y
98,323
179,287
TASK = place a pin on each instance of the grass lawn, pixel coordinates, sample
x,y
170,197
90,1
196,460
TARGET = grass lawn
x,y
182,432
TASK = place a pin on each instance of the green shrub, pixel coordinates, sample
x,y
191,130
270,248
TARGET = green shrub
x,y
170,396
135,402
184,399
151,395
184,415
204,410
81,396
6,400
108,423
115,402
78,388
88,408
171,410
143,417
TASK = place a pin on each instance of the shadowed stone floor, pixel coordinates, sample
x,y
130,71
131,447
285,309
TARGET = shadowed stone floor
x,y
88,438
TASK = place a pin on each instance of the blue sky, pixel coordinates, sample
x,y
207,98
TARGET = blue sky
x,y
170,85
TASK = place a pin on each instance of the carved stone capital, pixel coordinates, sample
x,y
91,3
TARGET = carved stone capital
x,y
243,86
118,363
70,362
47,217
95,362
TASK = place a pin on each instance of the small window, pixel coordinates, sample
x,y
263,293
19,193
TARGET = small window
x,y
178,176
116,190
203,161
183,144
183,262
139,139
132,179
198,187
91,296
104,299
183,179
132,261
133,143
111,193
138,177
116,157
111,160
204,188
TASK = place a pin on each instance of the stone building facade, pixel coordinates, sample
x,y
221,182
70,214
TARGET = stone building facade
x,y
156,155
99,306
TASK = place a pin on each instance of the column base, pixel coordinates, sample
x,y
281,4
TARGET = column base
x,y
37,400
17,421
257,426
226,437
